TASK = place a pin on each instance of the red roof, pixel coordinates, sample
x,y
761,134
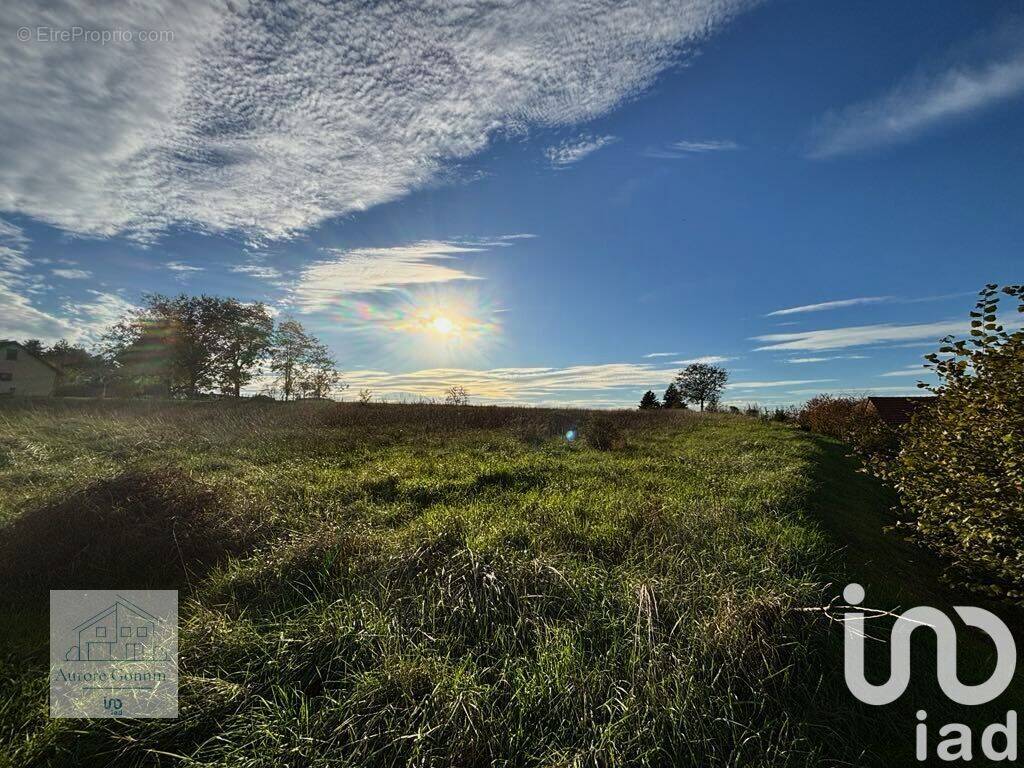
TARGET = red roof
x,y
898,410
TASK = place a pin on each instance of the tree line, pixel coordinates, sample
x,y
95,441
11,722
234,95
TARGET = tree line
x,y
699,383
194,346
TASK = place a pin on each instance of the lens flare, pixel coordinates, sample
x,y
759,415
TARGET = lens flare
x,y
442,324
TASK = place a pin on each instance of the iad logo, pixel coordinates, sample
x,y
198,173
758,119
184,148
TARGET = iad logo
x,y
958,746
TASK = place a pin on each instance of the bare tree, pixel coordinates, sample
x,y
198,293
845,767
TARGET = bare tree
x,y
456,395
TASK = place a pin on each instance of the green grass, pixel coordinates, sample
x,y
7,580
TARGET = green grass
x,y
418,585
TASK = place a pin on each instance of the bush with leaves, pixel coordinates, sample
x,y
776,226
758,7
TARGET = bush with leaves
x,y
960,468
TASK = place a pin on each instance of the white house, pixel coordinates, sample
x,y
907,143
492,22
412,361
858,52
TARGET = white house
x,y
23,374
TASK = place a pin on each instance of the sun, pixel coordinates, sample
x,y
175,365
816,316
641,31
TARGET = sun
x,y
442,325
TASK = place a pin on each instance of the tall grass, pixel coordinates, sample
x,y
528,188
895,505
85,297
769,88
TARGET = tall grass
x,y
430,585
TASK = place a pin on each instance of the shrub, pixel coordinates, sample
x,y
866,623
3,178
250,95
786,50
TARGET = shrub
x,y
960,469
850,419
603,433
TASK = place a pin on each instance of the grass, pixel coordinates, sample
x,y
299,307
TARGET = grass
x,y
430,585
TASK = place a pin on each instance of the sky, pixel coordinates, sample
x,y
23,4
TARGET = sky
x,y
543,203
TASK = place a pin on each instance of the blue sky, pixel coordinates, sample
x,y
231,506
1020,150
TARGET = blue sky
x,y
541,205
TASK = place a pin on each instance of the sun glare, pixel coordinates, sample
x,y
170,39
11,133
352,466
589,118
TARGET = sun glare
x,y
443,325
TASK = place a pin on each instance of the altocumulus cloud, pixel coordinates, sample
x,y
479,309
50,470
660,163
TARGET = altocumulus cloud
x,y
269,117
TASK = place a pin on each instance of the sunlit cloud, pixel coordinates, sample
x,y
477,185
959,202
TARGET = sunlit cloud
x,y
357,106
660,354
910,370
854,336
517,385
379,270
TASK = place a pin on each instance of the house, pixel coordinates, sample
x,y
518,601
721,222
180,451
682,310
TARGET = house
x,y
895,411
121,631
24,374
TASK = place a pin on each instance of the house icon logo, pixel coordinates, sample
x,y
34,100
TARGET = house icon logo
x,y
113,653
121,632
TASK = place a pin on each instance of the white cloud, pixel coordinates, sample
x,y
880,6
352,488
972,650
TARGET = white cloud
x,y
911,370
72,274
573,150
661,354
854,336
829,305
372,270
517,385
744,385
708,359
271,117
257,271
799,360
921,102
182,268
680,149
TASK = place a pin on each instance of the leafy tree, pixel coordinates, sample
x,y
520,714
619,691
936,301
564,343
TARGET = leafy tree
x,y
649,401
242,337
170,345
959,470
289,349
702,383
35,347
672,398
318,374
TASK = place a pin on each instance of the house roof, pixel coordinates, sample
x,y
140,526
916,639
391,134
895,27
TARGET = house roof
x,y
898,410
23,348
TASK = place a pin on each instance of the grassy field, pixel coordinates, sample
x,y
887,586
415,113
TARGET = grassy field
x,y
428,585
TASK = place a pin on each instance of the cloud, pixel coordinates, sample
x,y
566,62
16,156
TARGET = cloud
x,y
744,385
921,102
516,385
799,360
829,305
573,150
854,336
72,274
707,359
911,370
183,269
374,270
680,149
268,118
661,354
258,271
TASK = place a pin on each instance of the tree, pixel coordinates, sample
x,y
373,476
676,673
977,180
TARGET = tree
x,y
649,401
456,395
34,347
242,337
702,383
290,346
318,374
959,470
672,398
170,345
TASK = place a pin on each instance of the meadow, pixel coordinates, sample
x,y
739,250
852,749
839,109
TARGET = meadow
x,y
443,585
